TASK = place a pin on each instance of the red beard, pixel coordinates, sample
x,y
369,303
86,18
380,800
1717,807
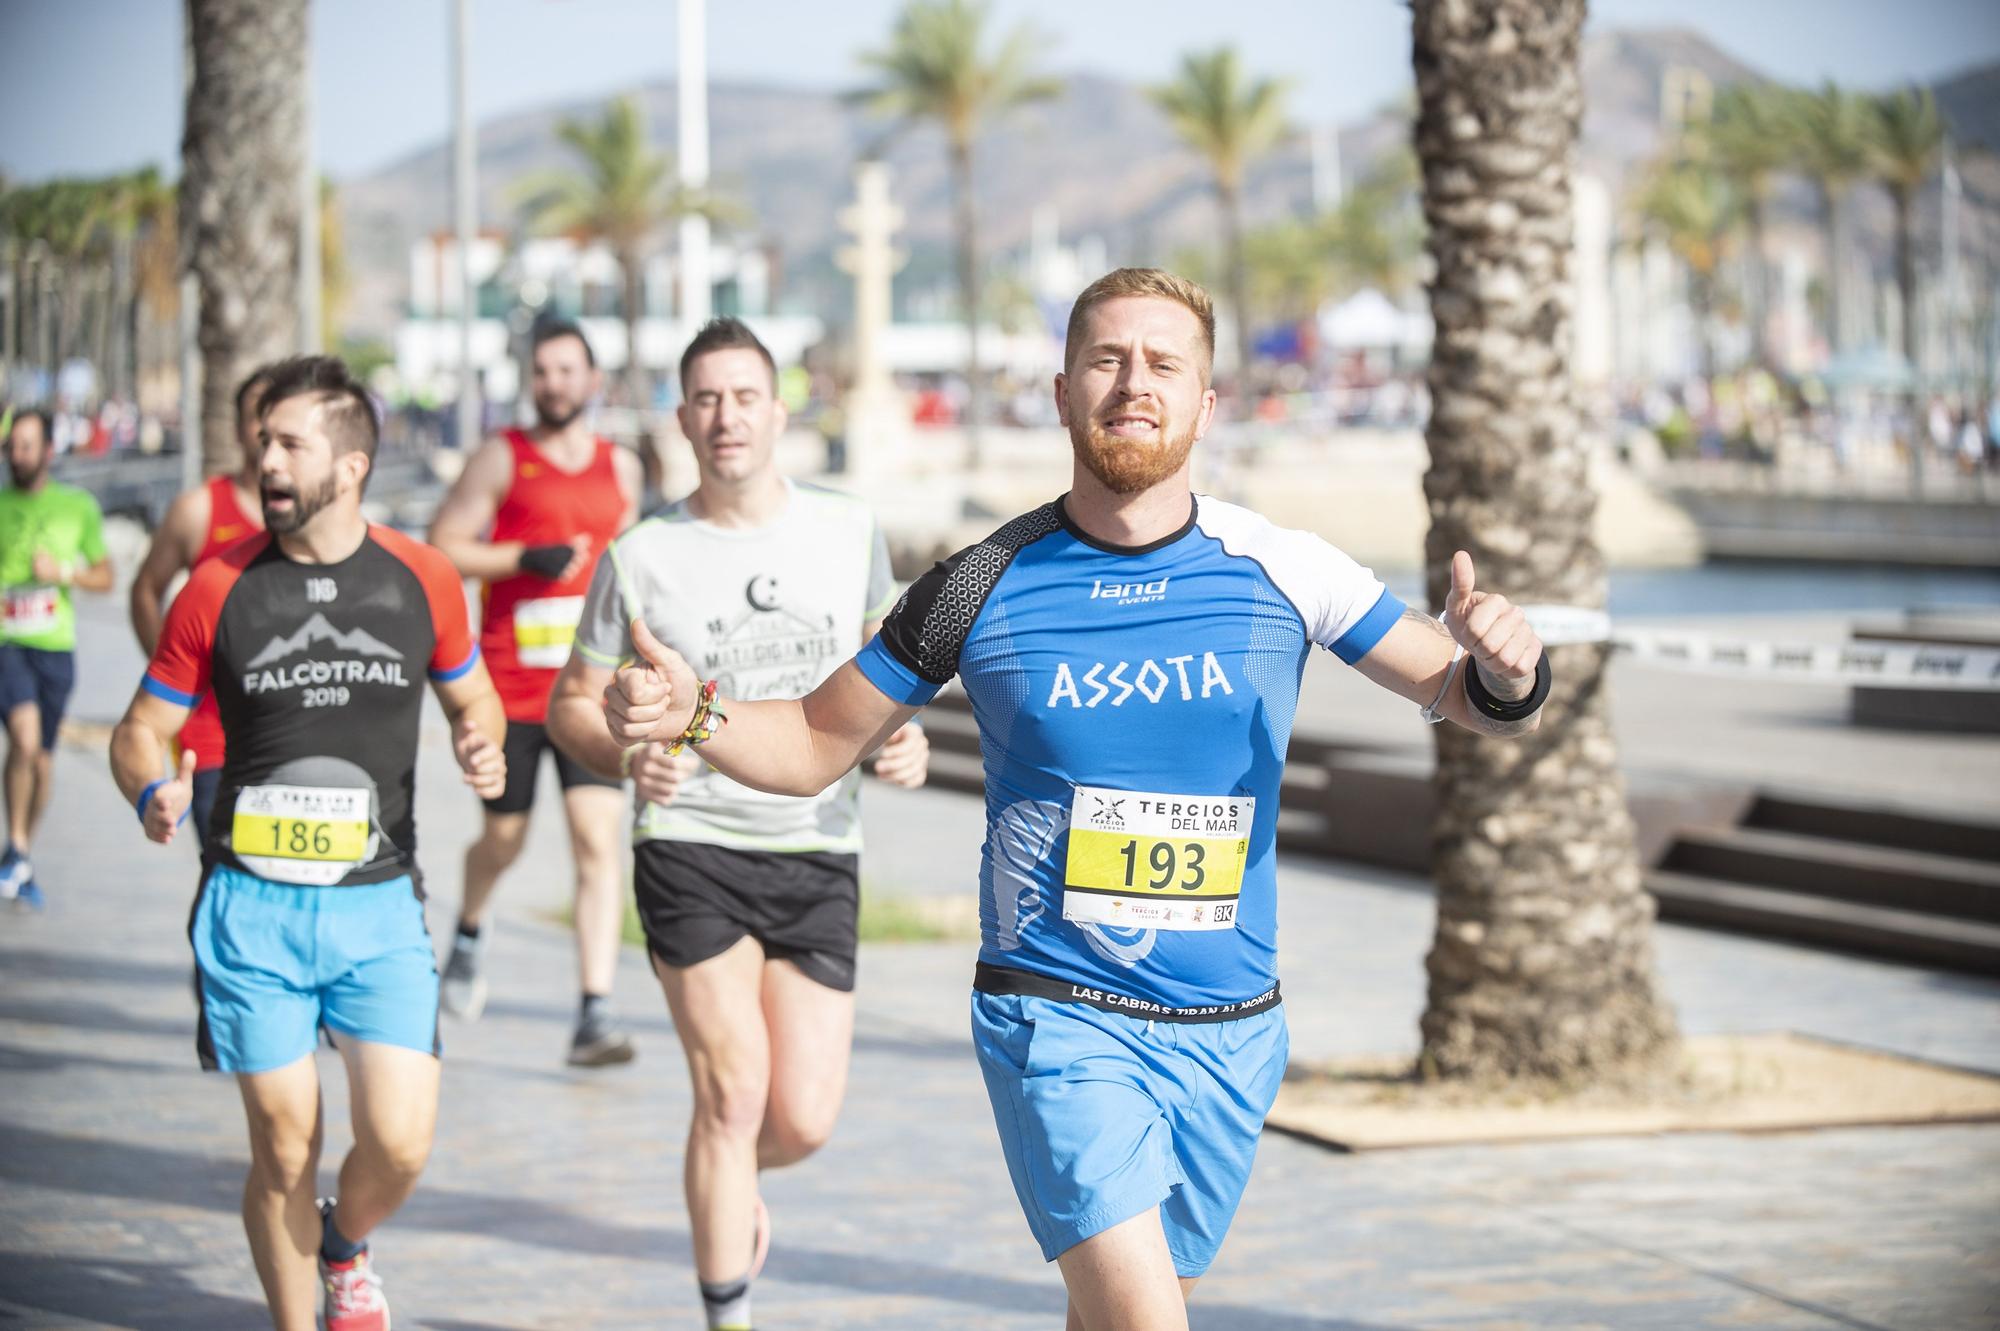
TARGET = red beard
x,y
1126,466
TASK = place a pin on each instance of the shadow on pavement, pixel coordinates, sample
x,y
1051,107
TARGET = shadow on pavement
x,y
152,1174
135,1294
508,1009
19,963
86,1016
15,1058
911,1046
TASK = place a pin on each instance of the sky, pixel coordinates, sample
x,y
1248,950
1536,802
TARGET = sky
x,y
93,86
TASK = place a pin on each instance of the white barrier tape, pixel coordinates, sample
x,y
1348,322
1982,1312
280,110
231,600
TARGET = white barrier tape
x,y
1907,665
1904,665
1562,625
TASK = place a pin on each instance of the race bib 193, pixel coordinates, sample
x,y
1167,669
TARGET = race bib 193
x,y
312,835
544,630
1154,861
31,610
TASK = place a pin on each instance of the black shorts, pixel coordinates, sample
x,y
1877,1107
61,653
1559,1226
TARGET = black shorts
x,y
696,901
526,742
31,675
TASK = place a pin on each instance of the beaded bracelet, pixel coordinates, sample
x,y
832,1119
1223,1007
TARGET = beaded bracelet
x,y
703,725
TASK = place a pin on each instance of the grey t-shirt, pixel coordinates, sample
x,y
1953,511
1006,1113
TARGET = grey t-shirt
x,y
768,612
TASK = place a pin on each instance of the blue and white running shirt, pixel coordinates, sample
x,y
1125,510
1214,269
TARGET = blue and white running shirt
x,y
1134,706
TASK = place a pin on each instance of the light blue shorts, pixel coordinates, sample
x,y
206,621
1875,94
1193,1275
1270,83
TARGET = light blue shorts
x,y
276,963
1103,1116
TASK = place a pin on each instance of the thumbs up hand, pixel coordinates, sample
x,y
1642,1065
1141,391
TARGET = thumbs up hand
x,y
483,762
652,698
170,801
1493,632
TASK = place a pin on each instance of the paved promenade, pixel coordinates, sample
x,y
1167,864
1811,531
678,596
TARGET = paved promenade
x,y
553,1198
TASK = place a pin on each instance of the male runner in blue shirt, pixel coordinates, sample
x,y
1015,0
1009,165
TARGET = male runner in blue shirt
x,y
1133,653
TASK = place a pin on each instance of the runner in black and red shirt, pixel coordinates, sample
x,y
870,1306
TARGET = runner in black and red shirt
x,y
315,640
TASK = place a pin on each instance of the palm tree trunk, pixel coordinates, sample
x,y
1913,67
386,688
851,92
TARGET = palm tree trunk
x,y
1542,961
129,321
69,311
1906,294
10,330
1701,303
632,268
48,314
239,197
1836,266
104,343
966,223
39,351
1758,287
1230,197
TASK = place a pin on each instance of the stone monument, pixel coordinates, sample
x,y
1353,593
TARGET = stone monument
x,y
877,419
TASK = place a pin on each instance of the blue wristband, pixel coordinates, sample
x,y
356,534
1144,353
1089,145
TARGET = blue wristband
x,y
146,797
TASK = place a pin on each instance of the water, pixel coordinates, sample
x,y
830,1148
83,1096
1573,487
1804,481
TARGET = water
x,y
1732,588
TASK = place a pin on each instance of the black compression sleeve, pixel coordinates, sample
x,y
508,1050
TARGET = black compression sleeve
x,y
1499,709
546,561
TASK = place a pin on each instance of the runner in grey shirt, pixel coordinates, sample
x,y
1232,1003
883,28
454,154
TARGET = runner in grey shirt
x,y
769,611
749,900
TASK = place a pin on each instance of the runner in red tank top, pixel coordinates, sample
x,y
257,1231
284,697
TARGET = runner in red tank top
x,y
199,524
529,516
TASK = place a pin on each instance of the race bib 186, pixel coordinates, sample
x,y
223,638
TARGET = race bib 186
x,y
544,630
312,835
1154,861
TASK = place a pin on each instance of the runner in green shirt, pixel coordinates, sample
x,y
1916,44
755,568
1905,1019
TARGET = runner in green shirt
x,y
51,540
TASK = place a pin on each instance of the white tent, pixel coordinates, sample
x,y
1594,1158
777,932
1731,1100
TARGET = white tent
x,y
1368,321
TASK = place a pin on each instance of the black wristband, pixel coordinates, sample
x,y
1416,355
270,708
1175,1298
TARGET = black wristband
x,y
546,561
1498,709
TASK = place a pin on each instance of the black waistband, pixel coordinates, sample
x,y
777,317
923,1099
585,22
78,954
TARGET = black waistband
x,y
990,979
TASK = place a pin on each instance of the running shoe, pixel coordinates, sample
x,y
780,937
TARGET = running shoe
x,y
354,1299
464,989
599,1042
15,872
30,897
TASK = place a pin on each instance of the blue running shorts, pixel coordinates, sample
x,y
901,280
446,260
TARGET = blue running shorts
x,y
1103,1116
275,963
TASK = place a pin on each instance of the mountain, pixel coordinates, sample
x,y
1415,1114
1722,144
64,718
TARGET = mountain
x,y
317,630
1971,106
1100,155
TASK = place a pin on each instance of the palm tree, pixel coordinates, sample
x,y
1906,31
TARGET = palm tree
x,y
1906,141
138,214
1542,962
10,254
1296,265
241,154
1232,121
1832,132
1693,210
623,194
68,217
1369,238
151,204
936,68
1748,142
18,224
1288,268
